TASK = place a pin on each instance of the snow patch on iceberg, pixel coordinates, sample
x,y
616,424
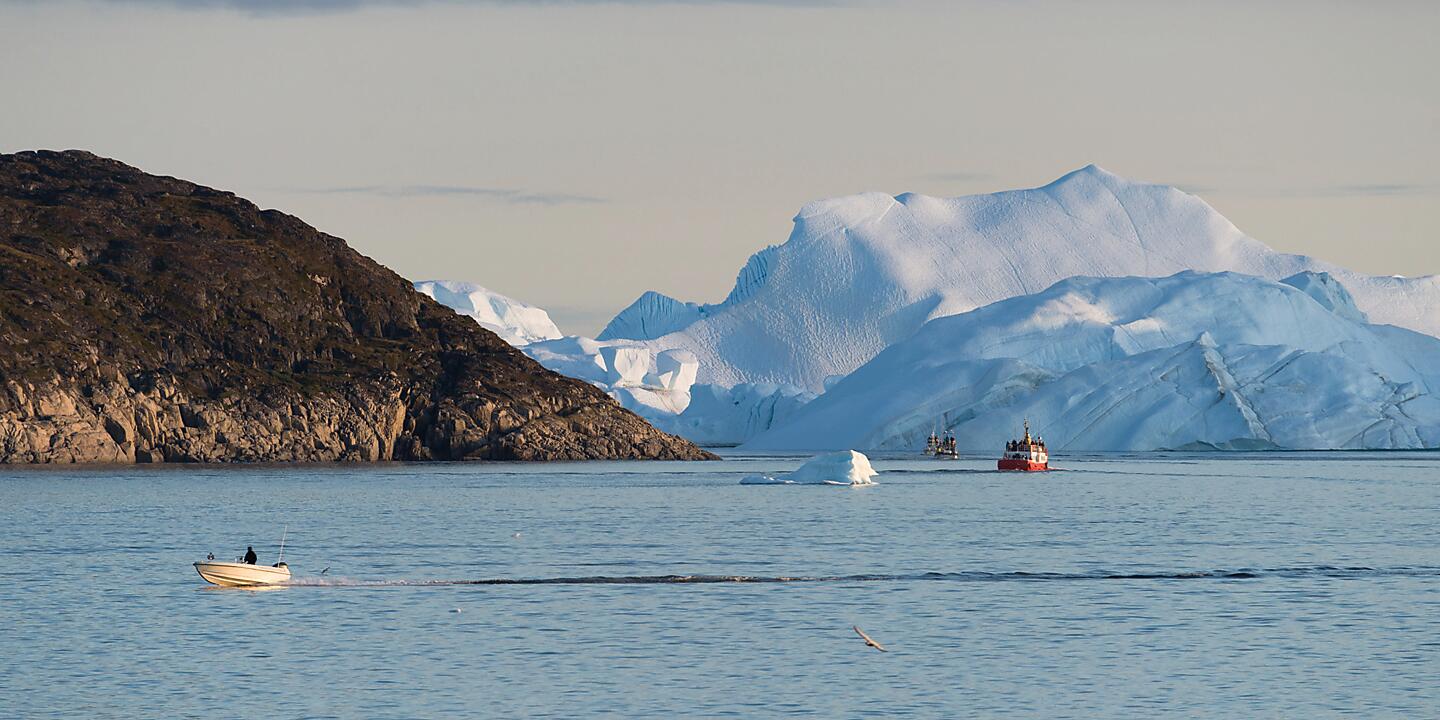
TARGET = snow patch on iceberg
x,y
1326,290
676,369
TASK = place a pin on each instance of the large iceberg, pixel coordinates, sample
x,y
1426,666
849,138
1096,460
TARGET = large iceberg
x,y
860,273
839,468
1194,360
515,322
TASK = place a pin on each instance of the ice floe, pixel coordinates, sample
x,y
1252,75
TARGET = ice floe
x,y
838,468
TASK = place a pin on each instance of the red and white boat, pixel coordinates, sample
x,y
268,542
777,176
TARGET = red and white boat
x,y
1026,455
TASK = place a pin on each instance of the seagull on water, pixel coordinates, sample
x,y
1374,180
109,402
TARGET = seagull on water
x,y
868,640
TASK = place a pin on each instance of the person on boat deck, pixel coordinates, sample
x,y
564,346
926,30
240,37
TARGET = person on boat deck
x,y
250,555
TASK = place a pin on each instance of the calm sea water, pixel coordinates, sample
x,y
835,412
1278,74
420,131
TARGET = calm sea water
x,y
1276,585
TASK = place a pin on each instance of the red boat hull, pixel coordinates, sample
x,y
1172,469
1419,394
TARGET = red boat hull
x,y
1022,465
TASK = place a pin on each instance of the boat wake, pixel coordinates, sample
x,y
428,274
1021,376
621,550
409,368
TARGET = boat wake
x,y
1316,571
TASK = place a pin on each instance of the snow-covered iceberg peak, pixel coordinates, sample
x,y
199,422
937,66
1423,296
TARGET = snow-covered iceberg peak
x,y
861,272
515,322
651,315
839,468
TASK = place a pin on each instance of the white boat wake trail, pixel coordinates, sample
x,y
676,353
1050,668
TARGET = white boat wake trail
x,y
1302,572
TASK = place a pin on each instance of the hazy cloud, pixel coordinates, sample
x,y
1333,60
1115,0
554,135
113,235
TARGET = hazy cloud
x,y
1337,191
505,195
1384,189
574,318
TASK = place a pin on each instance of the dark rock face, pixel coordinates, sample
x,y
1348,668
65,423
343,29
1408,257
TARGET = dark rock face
x,y
149,319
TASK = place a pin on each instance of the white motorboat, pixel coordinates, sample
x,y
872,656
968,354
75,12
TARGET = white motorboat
x,y
243,574
239,574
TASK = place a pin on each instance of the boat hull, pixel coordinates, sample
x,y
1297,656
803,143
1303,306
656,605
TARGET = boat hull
x,y
233,574
1022,465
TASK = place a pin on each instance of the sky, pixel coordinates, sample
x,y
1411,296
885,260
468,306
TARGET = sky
x,y
575,154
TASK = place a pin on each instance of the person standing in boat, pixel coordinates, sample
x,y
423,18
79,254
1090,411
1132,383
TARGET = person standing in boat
x,y
250,558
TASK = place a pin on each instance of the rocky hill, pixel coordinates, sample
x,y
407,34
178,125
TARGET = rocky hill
x,y
149,319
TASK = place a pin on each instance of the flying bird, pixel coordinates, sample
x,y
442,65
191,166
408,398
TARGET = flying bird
x,y
868,641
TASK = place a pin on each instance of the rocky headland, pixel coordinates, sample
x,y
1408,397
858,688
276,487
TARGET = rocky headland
x,y
150,319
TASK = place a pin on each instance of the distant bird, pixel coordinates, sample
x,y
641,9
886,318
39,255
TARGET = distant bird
x,y
515,535
327,569
867,639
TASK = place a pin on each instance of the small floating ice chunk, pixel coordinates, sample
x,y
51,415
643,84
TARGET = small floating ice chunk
x,y
846,467
840,468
